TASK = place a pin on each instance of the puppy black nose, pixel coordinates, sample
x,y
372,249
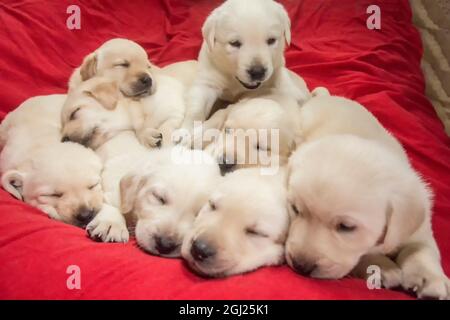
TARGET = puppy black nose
x,y
257,73
145,80
226,165
304,268
165,245
84,216
201,250
65,139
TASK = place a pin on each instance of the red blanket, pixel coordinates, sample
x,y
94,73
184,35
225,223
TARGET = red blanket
x,y
331,47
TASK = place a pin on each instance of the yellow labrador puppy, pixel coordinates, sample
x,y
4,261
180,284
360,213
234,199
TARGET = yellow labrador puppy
x,y
165,196
354,198
242,51
119,60
159,91
254,132
61,179
242,227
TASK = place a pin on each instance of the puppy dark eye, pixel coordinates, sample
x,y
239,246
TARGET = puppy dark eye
x,y
124,64
295,209
343,227
235,44
74,113
93,186
212,205
271,41
255,233
160,198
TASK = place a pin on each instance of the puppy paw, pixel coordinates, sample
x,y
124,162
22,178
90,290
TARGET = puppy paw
x,y
183,137
391,278
151,138
427,286
108,229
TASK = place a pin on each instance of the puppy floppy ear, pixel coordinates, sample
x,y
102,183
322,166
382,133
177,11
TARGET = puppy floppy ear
x,y
12,181
285,21
88,68
209,29
107,93
129,189
405,214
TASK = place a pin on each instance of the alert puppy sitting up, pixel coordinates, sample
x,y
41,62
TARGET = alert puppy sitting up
x,y
242,51
355,199
242,227
159,91
61,179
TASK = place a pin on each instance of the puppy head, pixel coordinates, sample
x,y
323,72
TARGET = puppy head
x,y
165,200
63,180
349,197
247,38
241,228
255,133
122,61
91,114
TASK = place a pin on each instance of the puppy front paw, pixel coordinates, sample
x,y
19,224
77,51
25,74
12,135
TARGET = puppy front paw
x,y
427,286
391,278
150,138
108,229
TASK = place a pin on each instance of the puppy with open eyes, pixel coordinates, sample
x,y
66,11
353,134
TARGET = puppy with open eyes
x,y
164,197
242,227
356,201
242,52
61,179
159,91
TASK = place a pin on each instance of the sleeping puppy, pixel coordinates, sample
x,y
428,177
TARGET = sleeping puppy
x,y
96,111
352,197
61,179
242,51
119,60
355,200
242,227
255,132
165,196
159,91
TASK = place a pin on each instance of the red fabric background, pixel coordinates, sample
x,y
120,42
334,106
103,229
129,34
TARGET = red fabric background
x,y
331,46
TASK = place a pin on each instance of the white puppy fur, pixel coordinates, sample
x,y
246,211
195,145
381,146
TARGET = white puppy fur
x,y
255,132
119,60
160,92
165,196
242,227
61,179
354,198
242,51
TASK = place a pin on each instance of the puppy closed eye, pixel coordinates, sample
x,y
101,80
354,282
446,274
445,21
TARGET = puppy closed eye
x,y
53,195
345,227
91,187
295,210
74,114
255,233
124,64
235,44
212,205
160,198
262,147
